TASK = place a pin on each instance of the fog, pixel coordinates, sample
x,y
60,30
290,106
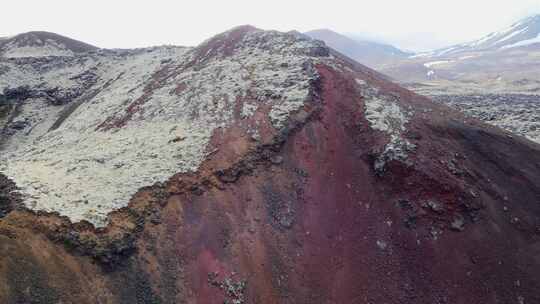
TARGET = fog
x,y
412,24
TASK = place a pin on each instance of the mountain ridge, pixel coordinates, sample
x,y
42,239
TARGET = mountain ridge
x,y
369,53
41,44
521,33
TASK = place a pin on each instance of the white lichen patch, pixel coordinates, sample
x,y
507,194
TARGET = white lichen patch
x,y
397,149
84,170
387,116
88,174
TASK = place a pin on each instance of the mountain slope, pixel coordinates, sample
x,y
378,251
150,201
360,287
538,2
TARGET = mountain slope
x,y
522,33
41,44
501,63
369,53
267,168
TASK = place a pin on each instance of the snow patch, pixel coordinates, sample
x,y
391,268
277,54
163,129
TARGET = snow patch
x,y
513,34
523,43
434,63
482,40
467,57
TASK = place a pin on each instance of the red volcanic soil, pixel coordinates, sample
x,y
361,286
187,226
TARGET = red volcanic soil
x,y
304,218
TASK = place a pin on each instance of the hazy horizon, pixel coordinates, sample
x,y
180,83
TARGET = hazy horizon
x,y
413,25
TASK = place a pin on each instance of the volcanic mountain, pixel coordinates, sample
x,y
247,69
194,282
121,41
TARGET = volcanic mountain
x,y
257,167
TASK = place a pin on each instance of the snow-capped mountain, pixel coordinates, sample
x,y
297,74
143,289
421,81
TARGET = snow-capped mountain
x,y
370,53
502,62
522,33
41,44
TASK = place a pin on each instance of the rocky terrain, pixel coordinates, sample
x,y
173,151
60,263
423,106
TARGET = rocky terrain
x,y
190,103
519,114
257,167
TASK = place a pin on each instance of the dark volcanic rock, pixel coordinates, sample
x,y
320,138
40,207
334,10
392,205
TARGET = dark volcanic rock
x,y
9,198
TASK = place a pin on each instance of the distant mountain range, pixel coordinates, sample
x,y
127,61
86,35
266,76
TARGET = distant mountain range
x,y
524,33
367,52
503,61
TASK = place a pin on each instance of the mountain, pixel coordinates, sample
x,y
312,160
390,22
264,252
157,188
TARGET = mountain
x,y
502,62
526,32
372,54
256,167
41,44
481,76
522,33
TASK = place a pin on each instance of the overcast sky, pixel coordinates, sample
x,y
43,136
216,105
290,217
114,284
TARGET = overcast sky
x,y
126,24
